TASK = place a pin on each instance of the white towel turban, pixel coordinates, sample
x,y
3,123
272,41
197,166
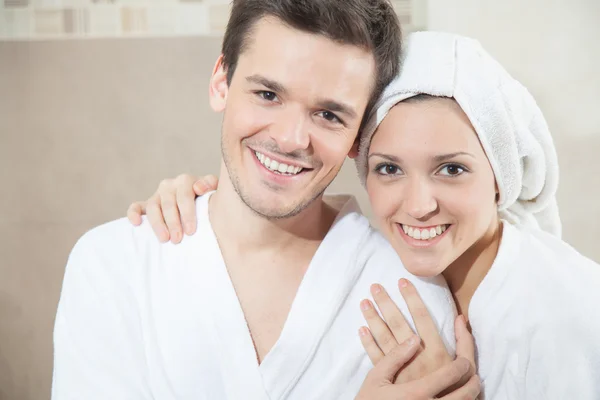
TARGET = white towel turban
x,y
510,125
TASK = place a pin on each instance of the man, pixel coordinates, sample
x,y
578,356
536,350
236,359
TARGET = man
x,y
259,302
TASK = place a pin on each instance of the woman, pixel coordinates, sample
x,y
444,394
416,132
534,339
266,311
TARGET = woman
x,y
462,174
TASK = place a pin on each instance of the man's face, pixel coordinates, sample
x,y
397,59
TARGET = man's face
x,y
291,115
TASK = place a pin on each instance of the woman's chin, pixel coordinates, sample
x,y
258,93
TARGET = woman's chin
x,y
423,267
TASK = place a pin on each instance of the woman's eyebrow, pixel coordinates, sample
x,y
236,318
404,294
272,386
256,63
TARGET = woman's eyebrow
x,y
449,156
388,157
438,158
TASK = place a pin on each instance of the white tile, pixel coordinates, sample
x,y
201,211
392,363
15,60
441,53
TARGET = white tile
x,y
16,23
162,20
105,20
47,3
192,19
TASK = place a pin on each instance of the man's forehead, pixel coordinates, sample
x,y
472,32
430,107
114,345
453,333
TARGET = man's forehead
x,y
283,54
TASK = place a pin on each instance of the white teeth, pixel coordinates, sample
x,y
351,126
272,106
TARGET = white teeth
x,y
275,166
424,234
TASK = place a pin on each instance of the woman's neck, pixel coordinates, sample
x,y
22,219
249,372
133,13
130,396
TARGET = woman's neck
x,y
468,271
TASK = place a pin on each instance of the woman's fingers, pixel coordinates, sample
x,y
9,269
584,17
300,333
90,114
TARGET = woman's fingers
x,y
373,351
391,314
465,345
156,219
379,329
444,378
170,211
205,184
135,212
391,363
186,205
469,391
426,328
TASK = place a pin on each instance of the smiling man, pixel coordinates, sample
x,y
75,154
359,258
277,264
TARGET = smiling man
x,y
262,302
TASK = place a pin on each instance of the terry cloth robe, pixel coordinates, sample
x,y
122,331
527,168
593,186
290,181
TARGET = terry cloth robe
x,y
138,319
536,320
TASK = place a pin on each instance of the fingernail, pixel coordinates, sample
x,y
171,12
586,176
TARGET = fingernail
x,y
176,236
376,288
365,305
363,331
211,180
411,341
403,283
163,235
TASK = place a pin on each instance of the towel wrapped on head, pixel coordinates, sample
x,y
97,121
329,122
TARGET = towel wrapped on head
x,y
507,119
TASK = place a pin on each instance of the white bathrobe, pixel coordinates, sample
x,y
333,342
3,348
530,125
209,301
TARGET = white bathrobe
x,y
536,320
142,320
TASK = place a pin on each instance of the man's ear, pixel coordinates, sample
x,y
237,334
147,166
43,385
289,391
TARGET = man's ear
x,y
353,153
218,87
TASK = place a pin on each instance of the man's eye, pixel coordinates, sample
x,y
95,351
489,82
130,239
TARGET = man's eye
x,y
388,169
269,96
329,116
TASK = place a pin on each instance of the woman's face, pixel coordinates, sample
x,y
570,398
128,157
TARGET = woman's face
x,y
430,183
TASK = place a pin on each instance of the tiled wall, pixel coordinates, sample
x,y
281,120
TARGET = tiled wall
x,y
31,19
43,19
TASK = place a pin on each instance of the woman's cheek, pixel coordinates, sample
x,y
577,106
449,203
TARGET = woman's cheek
x,y
383,198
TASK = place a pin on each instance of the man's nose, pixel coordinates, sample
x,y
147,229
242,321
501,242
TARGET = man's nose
x,y
291,132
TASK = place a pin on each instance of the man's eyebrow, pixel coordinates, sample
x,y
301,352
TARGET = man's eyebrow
x,y
334,106
268,83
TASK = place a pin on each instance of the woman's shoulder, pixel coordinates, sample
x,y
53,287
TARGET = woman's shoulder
x,y
542,253
554,276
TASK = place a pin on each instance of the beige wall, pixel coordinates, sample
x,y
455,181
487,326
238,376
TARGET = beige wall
x,y
86,126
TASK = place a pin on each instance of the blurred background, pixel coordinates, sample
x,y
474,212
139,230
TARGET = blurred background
x,y
101,99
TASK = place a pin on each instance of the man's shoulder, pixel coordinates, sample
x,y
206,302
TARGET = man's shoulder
x,y
375,246
117,235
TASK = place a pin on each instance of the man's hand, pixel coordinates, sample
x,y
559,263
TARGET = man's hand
x,y
171,209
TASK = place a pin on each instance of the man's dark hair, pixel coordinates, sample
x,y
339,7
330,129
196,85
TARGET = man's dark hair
x,y
370,24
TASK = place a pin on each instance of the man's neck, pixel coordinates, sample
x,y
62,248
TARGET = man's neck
x,y
245,230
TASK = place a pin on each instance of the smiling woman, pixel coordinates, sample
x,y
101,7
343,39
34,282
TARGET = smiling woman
x,y
462,174
427,173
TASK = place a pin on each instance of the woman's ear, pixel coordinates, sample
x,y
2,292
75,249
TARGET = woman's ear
x,y
218,87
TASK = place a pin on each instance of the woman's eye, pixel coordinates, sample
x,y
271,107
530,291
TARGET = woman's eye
x,y
452,170
269,96
388,169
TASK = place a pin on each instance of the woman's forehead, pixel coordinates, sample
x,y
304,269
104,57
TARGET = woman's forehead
x,y
434,122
